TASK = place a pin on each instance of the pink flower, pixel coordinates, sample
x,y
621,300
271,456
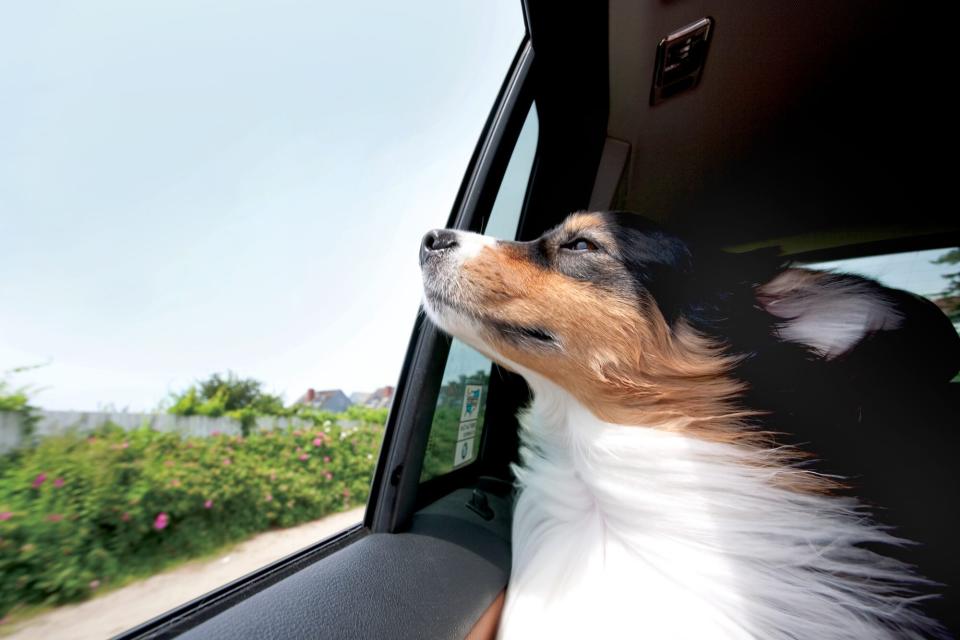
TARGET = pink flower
x,y
273,476
215,433
94,584
227,462
5,515
346,493
317,441
124,445
326,458
175,482
328,475
125,516
168,463
39,480
268,498
58,483
304,457
208,504
54,517
298,433
161,521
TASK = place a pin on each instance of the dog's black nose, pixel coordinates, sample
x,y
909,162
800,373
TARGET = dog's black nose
x,y
436,240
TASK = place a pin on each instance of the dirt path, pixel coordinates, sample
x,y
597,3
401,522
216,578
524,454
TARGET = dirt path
x,y
127,607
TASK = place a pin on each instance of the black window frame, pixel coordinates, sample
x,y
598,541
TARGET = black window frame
x,y
502,384
397,493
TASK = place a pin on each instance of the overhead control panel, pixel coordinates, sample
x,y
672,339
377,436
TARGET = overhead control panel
x,y
680,59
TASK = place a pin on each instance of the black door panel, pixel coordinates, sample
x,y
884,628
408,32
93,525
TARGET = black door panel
x,y
433,581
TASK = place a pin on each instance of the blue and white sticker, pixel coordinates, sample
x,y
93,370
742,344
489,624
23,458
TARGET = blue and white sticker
x,y
471,402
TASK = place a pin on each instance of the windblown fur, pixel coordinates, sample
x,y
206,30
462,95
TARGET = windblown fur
x,y
651,501
649,533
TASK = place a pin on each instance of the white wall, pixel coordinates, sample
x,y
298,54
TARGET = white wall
x,y
56,422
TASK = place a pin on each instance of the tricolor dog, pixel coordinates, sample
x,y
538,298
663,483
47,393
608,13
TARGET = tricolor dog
x,y
653,501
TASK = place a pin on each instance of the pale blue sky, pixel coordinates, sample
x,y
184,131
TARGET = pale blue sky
x,y
189,187
911,270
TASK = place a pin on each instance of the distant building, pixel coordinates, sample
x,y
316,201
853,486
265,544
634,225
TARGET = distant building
x,y
333,400
382,398
359,397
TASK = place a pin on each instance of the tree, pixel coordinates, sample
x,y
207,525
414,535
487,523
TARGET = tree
x,y
228,395
949,299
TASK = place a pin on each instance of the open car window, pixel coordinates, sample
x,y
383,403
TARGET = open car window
x,y
211,217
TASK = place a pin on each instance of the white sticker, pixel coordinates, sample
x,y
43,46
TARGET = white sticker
x,y
468,429
471,401
463,452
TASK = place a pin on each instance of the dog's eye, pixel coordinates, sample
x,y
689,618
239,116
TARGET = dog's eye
x,y
580,244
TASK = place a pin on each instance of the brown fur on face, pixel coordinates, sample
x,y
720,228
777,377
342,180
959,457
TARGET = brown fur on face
x,y
614,350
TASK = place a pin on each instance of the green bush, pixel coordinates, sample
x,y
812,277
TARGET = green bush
x,y
80,511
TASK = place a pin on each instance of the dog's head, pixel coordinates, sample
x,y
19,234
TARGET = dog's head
x,y
639,325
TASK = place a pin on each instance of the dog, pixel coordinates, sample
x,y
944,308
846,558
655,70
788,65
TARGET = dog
x,y
652,501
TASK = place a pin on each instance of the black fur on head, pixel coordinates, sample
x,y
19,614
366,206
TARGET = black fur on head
x,y
711,290
772,316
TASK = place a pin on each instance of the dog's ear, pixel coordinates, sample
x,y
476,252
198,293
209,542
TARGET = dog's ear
x,y
878,332
828,312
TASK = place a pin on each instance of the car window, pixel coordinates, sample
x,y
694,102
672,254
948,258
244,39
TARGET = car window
x,y
933,274
210,216
458,420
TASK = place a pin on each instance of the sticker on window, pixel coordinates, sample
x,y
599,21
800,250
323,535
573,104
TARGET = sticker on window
x,y
468,429
464,452
471,401
458,421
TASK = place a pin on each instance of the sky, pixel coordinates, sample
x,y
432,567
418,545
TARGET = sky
x,y
191,187
911,270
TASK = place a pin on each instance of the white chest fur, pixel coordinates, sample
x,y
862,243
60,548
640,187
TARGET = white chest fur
x,y
645,533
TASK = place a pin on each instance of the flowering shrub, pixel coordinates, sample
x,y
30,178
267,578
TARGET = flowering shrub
x,y
83,510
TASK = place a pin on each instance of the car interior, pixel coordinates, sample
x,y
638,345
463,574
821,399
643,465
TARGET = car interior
x,y
814,127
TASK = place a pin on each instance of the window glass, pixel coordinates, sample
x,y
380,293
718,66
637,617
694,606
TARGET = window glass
x,y
458,421
934,274
505,213
209,216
